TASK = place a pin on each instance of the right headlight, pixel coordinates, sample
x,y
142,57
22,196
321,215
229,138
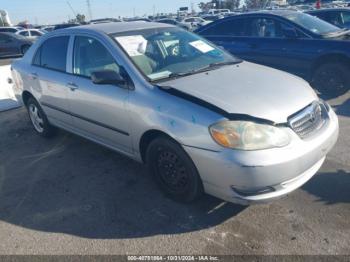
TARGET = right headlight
x,y
246,135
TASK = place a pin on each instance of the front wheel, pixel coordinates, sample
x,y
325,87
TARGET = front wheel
x,y
173,170
331,79
38,118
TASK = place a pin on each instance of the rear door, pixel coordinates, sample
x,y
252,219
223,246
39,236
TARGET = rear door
x,y
99,111
49,77
271,45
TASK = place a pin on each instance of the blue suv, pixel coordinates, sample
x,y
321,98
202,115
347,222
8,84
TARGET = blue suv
x,y
291,41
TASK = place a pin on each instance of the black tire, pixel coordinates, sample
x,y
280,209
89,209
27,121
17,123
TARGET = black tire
x,y
42,127
331,79
173,170
24,49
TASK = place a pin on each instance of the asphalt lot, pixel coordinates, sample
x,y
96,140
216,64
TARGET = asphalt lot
x,y
70,196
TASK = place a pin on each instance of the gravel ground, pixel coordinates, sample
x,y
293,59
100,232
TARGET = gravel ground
x,y
70,196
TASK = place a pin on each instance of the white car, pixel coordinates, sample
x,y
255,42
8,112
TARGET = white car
x,y
218,11
31,33
195,21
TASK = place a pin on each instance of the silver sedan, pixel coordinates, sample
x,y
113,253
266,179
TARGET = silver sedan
x,y
199,118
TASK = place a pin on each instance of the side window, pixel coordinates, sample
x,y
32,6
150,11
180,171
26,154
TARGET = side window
x,y
53,53
346,18
233,27
91,56
24,33
264,27
34,33
334,18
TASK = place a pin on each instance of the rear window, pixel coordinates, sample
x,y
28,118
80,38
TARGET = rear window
x,y
53,54
233,27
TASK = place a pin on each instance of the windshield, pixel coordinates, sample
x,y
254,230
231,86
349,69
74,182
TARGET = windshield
x,y
162,53
312,23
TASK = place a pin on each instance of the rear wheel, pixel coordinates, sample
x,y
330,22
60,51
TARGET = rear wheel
x,y
38,118
331,79
173,170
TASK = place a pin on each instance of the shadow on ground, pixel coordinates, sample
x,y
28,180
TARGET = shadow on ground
x,y
330,188
69,185
344,108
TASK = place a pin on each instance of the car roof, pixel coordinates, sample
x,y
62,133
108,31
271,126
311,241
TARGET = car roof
x,y
280,12
13,35
118,27
15,27
328,9
6,33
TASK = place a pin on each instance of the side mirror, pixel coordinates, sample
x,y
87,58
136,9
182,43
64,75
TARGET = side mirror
x,y
290,33
108,77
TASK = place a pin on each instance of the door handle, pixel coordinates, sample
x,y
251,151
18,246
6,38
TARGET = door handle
x,y
34,76
72,86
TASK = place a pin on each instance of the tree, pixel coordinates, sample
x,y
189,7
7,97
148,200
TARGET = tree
x,y
231,4
219,4
80,19
256,4
205,7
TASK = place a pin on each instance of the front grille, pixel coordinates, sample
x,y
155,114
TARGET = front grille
x,y
309,120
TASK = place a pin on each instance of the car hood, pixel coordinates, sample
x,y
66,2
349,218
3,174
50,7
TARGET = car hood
x,y
249,89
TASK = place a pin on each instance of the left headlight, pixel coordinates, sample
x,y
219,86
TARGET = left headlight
x,y
245,135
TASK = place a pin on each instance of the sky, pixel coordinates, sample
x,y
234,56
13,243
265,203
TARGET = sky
x,y
56,11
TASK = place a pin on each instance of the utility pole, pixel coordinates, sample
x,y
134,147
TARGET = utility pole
x,y
89,8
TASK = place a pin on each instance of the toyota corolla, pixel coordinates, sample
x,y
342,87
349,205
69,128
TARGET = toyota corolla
x,y
199,118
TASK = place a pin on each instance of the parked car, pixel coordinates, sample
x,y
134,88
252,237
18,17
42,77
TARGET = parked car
x,y
10,29
195,22
218,11
199,118
49,28
13,45
212,18
104,20
339,17
170,21
138,19
32,34
292,41
63,26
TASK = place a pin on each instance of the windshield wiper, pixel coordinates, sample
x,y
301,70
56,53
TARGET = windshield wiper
x,y
199,70
214,66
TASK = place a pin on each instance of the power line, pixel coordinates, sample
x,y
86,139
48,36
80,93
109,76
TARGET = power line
x,y
89,8
71,8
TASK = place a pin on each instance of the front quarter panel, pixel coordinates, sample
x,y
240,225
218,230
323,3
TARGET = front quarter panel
x,y
188,123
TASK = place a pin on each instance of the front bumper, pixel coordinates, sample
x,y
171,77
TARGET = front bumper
x,y
247,177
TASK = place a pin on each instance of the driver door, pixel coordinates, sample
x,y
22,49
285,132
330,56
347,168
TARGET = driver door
x,y
99,111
